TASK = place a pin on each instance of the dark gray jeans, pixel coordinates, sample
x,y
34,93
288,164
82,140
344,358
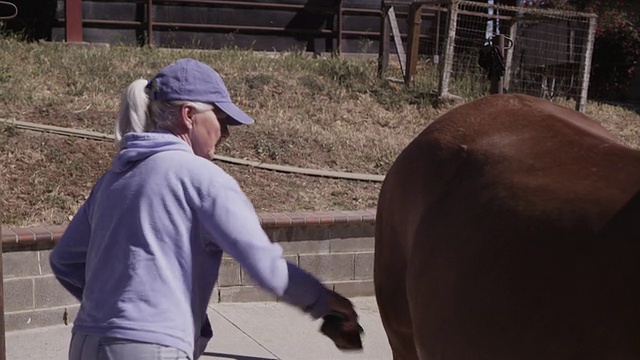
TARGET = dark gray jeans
x,y
90,347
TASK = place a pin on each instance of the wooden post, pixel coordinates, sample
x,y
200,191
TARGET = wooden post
x,y
73,20
383,47
508,62
496,82
414,19
447,56
585,66
397,41
436,50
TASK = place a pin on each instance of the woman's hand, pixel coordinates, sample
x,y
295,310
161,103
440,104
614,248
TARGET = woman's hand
x,y
341,324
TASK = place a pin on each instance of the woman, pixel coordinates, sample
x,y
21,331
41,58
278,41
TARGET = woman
x,y
142,254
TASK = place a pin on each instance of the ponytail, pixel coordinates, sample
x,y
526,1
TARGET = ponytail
x,y
133,115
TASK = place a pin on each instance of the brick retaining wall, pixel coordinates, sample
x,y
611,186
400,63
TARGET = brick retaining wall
x,y
335,246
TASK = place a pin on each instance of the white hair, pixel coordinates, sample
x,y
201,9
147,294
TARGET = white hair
x,y
138,114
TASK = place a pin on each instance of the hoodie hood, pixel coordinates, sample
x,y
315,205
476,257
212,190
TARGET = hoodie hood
x,y
139,146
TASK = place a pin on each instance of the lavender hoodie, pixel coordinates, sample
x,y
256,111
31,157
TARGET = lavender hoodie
x,y
143,252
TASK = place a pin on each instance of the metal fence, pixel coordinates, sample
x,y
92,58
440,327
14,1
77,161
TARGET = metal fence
x,y
547,53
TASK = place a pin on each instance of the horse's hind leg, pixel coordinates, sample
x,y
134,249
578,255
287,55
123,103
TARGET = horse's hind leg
x,y
391,293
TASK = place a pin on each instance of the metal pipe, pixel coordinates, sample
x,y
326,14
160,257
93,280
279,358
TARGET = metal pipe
x,y
92,135
157,25
242,27
14,10
141,24
149,23
339,26
252,5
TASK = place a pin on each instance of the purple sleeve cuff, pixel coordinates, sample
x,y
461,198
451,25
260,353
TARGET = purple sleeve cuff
x,y
306,292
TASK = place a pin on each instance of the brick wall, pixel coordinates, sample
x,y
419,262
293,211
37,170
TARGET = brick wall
x,y
337,247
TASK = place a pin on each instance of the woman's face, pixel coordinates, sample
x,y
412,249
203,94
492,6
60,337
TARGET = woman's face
x,y
208,129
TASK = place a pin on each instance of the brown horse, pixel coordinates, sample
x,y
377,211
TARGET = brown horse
x,y
510,229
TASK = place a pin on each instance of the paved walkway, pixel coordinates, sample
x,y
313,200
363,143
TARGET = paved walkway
x,y
242,331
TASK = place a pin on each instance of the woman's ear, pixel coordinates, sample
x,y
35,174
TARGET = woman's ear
x,y
186,117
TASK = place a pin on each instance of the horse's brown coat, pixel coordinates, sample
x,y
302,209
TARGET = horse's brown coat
x,y
502,234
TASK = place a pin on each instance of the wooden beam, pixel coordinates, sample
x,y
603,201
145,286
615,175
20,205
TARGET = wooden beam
x,y
585,66
383,49
73,20
397,40
413,41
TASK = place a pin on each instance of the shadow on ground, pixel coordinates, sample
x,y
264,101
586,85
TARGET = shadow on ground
x,y
232,356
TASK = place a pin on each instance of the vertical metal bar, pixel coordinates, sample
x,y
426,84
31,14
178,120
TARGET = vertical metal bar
x,y
339,27
447,56
383,46
73,20
585,66
149,23
436,51
413,41
497,83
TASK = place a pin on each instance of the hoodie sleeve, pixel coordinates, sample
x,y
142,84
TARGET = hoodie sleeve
x,y
230,219
68,258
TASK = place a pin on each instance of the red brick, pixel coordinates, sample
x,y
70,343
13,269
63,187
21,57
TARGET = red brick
x,y
267,219
8,236
282,219
297,219
42,233
326,217
57,231
340,217
25,235
311,219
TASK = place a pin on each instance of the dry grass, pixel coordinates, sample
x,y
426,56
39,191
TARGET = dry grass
x,y
326,113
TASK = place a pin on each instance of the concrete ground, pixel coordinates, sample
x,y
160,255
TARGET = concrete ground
x,y
242,331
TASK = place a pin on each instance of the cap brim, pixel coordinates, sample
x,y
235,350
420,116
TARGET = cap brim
x,y
236,116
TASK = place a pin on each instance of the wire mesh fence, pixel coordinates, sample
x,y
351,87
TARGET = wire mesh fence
x,y
547,52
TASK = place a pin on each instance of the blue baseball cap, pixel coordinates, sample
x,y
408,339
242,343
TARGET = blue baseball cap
x,y
191,80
